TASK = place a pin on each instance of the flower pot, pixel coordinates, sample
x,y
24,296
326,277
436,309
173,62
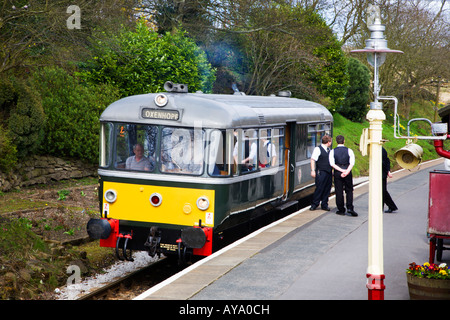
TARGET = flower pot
x,y
428,289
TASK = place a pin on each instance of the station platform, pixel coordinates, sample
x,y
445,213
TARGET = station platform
x,y
315,255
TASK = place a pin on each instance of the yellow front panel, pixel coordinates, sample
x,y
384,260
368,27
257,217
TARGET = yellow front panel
x,y
178,206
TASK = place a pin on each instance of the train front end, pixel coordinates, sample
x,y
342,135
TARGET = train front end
x,y
151,191
141,215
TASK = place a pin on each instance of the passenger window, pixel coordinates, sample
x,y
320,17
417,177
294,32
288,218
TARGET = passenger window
x,y
219,163
278,141
245,153
182,151
312,140
270,152
135,147
315,134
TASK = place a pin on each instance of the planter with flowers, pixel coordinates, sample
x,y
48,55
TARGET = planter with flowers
x,y
428,281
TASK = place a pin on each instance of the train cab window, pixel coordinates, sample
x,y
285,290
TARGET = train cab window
x,y
182,151
135,147
245,153
106,130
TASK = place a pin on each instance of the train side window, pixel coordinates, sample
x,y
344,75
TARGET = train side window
x,y
301,134
219,163
269,147
135,147
312,140
278,141
182,151
106,130
245,151
315,134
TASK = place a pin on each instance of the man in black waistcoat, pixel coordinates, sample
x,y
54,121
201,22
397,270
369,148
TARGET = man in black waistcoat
x,y
342,159
387,199
321,171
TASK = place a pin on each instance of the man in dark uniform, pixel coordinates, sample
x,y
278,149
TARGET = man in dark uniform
x,y
342,159
321,171
387,199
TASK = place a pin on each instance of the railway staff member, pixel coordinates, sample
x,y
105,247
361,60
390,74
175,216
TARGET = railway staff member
x,y
387,199
138,161
321,171
267,150
342,159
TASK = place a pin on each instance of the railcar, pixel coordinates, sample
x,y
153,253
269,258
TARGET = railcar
x,y
179,171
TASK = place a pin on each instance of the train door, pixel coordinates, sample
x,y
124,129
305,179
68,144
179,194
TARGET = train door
x,y
289,159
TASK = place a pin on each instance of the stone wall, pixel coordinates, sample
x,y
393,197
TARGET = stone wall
x,y
43,169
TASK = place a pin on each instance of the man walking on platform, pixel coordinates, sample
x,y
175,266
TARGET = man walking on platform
x,y
386,172
342,159
321,171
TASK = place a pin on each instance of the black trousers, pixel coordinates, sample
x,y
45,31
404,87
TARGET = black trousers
x,y
323,186
342,185
387,200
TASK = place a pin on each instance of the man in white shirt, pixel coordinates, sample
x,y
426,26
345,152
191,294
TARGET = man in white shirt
x,y
321,171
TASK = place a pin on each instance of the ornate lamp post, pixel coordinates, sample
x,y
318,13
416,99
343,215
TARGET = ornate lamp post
x,y
376,50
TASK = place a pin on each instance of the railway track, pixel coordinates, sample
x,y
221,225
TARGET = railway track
x,y
136,282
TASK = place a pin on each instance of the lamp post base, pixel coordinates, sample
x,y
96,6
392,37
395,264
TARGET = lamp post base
x,y
376,286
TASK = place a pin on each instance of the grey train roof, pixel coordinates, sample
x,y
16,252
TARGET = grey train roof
x,y
218,110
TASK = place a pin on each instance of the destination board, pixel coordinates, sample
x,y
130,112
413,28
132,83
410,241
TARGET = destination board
x,y
148,113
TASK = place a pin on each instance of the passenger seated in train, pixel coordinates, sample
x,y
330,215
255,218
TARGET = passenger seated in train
x,y
249,152
139,161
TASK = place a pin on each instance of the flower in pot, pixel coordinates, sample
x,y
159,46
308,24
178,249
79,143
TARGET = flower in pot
x,y
428,281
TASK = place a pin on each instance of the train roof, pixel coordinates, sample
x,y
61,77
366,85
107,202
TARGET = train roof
x,y
214,110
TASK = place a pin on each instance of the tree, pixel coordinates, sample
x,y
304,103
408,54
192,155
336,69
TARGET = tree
x,y
263,46
424,37
35,33
419,28
141,61
354,106
298,53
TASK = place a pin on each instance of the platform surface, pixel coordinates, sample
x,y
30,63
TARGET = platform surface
x,y
315,255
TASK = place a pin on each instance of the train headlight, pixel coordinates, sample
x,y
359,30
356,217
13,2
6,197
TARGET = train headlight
x,y
203,203
111,195
161,100
155,199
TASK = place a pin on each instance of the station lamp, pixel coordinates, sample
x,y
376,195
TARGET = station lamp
x,y
376,50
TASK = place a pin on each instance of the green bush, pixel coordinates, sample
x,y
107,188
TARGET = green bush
x,y
22,115
72,110
8,151
142,61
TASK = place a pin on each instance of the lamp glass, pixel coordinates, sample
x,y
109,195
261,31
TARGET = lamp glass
x,y
380,56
